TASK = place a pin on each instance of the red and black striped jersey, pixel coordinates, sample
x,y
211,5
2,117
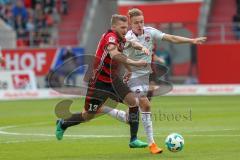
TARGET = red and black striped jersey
x,y
104,67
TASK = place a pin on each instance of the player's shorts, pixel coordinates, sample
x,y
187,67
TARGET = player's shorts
x,y
99,92
139,85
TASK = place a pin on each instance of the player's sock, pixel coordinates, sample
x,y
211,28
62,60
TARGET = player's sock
x,y
147,124
149,95
133,122
75,119
115,113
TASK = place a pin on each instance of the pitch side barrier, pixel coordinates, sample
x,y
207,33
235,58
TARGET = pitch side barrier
x,y
178,90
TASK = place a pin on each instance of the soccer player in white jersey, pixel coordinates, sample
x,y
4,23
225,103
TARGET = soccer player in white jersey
x,y
138,80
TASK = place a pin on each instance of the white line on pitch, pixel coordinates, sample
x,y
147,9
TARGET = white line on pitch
x,y
108,136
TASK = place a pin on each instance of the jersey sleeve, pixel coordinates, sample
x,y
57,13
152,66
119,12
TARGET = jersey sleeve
x,y
157,34
129,38
111,38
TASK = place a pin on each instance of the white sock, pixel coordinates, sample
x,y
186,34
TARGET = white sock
x,y
115,113
147,124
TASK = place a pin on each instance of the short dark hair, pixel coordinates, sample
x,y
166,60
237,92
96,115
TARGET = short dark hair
x,y
117,17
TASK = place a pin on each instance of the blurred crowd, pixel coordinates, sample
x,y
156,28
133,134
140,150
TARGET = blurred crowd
x,y
33,20
236,21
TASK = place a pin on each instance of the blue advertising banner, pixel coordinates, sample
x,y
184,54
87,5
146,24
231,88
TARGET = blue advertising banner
x,y
74,54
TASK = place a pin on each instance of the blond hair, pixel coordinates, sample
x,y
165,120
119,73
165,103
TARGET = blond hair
x,y
117,17
134,12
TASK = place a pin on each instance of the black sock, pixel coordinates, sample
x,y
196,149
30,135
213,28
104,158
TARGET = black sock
x,y
133,122
75,119
149,95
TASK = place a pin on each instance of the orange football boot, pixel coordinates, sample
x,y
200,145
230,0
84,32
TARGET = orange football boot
x,y
154,149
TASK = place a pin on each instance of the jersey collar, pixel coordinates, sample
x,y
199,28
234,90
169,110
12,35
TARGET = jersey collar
x,y
137,34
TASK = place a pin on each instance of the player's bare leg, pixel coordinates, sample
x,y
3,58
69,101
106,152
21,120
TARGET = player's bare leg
x,y
147,124
75,119
150,91
146,120
133,119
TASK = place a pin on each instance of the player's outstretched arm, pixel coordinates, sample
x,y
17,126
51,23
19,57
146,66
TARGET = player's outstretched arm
x,y
119,57
181,40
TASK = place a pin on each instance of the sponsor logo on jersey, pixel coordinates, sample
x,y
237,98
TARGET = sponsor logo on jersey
x,y
112,39
147,38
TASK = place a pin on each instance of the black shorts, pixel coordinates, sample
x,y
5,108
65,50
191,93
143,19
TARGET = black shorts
x,y
152,76
99,92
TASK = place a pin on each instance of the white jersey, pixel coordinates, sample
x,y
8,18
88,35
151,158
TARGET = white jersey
x,y
146,39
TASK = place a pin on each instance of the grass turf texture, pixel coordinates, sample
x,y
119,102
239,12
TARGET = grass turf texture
x,y
211,131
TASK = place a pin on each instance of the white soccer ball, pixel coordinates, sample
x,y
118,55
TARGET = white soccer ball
x,y
174,142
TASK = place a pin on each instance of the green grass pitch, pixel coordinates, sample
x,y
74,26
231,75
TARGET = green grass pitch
x,y
210,126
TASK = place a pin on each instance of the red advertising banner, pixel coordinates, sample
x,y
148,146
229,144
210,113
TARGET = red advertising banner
x,y
219,63
38,60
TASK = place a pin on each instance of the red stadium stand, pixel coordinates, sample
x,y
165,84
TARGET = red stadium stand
x,y
70,24
220,20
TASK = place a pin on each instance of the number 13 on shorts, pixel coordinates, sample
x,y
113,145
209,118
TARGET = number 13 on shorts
x,y
93,107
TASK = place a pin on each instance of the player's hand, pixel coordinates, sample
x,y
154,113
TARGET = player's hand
x,y
161,60
127,76
199,40
140,63
146,51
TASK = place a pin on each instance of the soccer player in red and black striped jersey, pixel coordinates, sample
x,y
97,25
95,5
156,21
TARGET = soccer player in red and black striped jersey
x,y
105,82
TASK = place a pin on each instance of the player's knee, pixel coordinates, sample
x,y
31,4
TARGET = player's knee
x,y
132,103
145,108
130,100
145,104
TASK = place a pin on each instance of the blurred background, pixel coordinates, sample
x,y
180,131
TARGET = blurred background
x,y
37,36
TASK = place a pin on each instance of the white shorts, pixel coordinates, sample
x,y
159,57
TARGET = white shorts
x,y
139,85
